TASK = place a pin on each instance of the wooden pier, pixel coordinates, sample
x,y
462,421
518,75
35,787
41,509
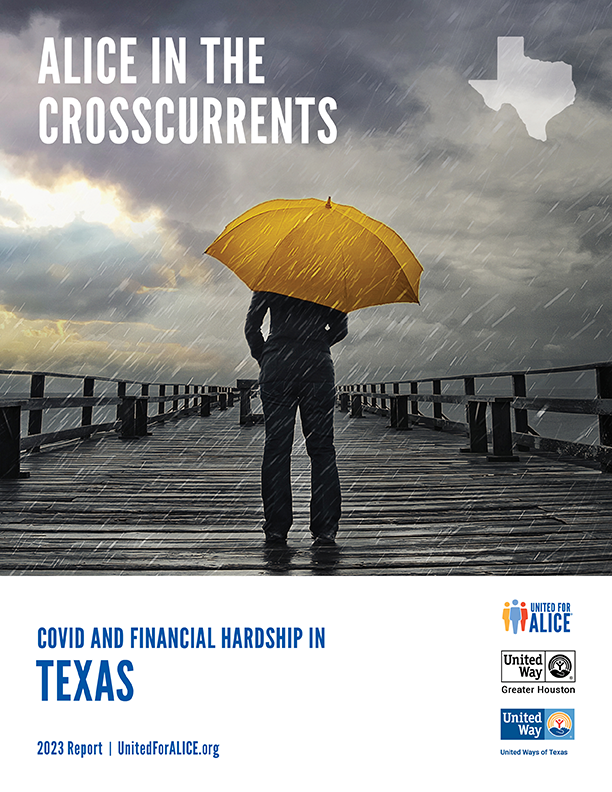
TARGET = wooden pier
x,y
186,500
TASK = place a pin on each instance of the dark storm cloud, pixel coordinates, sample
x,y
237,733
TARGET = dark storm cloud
x,y
143,14
82,15
369,96
193,243
590,57
441,152
41,296
443,31
80,271
590,215
442,275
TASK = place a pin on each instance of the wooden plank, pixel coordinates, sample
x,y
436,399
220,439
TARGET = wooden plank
x,y
187,501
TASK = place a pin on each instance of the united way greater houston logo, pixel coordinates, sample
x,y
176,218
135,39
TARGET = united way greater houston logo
x,y
537,617
538,665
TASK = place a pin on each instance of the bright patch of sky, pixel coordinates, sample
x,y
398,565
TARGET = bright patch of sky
x,y
68,201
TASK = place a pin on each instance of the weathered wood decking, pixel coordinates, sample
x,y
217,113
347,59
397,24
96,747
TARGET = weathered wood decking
x,y
186,501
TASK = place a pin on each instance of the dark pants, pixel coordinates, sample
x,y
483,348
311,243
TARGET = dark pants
x,y
306,380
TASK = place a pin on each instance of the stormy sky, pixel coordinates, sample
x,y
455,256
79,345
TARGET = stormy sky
x,y
101,245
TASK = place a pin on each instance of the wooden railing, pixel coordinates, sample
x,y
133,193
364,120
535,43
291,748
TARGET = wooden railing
x,y
488,417
131,417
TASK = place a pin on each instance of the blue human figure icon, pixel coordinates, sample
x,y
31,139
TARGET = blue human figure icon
x,y
515,616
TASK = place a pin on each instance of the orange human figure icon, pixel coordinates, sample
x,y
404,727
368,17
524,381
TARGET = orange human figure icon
x,y
506,615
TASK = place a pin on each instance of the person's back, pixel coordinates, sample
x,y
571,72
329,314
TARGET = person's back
x,y
297,371
293,322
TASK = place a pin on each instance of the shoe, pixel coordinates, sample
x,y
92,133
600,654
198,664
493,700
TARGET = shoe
x,y
325,540
272,540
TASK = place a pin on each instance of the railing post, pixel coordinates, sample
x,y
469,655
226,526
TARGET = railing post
x,y
521,417
37,391
245,386
437,406
403,421
175,403
383,389
141,417
222,401
604,391
142,411
393,413
414,403
87,411
356,406
127,417
373,399
245,401
344,401
230,397
121,389
476,416
502,431
10,431
161,407
204,404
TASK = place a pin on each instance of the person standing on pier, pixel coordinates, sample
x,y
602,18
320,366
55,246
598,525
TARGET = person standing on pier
x,y
297,371
309,262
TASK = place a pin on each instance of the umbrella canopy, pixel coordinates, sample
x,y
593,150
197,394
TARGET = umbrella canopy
x,y
326,253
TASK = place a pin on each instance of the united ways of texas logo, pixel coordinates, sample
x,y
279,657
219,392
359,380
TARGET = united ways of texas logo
x,y
537,724
536,617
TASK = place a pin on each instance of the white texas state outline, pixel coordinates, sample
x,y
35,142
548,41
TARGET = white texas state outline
x,y
538,90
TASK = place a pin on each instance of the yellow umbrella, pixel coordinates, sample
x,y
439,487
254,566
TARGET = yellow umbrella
x,y
326,253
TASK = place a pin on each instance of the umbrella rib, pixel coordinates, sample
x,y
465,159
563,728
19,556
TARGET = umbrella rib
x,y
345,279
383,243
242,222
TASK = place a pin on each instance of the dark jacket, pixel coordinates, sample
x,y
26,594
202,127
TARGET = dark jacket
x,y
294,324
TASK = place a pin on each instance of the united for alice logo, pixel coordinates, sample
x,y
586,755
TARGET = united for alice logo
x,y
536,617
